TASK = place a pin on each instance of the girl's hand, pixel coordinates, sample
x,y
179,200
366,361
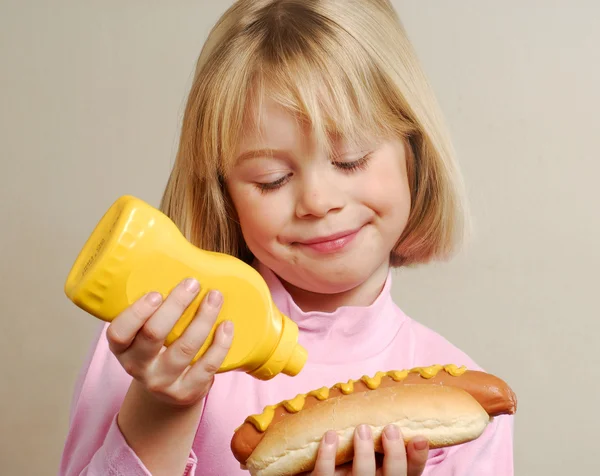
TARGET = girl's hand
x,y
137,336
397,460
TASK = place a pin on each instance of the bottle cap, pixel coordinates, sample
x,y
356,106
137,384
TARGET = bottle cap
x,y
288,356
297,360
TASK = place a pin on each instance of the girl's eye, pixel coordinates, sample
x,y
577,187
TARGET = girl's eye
x,y
267,187
359,164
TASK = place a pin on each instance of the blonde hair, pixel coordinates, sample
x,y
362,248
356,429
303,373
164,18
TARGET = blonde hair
x,y
345,67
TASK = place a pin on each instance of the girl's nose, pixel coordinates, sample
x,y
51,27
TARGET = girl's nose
x,y
317,197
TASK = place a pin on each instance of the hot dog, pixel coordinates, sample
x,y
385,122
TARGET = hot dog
x,y
448,405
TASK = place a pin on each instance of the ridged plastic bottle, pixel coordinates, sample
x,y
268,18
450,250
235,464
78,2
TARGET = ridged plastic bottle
x,y
135,249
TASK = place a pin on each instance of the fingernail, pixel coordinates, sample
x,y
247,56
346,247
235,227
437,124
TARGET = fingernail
x,y
392,433
214,298
330,437
420,445
192,285
364,432
154,299
228,328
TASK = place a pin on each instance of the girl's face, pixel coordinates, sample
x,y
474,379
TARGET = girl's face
x,y
323,224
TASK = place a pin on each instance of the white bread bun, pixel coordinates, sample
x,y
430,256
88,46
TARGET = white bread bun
x,y
444,415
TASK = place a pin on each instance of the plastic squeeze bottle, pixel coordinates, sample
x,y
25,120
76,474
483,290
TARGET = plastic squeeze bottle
x,y
135,249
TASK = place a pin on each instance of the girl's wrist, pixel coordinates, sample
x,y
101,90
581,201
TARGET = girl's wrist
x,y
142,413
160,433
141,394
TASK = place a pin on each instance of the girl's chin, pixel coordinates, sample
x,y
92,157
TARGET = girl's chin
x,y
328,276
327,283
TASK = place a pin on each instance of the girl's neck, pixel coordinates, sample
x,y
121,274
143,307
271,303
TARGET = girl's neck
x,y
362,295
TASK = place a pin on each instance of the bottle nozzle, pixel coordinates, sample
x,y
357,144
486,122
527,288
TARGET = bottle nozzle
x,y
297,360
288,356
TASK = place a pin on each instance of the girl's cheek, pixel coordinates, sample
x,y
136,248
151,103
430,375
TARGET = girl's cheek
x,y
263,214
386,193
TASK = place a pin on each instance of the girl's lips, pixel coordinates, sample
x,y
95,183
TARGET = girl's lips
x,y
331,243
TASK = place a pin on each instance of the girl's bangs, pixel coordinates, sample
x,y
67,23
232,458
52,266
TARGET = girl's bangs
x,y
327,100
335,100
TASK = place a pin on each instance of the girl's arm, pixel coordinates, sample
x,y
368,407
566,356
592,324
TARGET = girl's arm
x,y
95,443
136,407
489,455
161,435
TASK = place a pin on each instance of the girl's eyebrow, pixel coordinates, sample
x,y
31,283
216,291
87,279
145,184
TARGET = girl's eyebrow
x,y
254,154
283,153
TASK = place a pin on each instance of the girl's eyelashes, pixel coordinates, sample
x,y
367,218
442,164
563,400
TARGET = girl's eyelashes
x,y
267,187
359,164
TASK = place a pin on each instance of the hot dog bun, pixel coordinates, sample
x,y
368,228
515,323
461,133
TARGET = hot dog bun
x,y
444,415
445,403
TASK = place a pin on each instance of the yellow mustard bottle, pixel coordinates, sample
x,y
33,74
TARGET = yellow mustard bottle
x,y
135,249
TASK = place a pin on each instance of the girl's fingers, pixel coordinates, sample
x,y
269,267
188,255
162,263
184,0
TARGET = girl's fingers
x,y
416,454
394,459
364,452
179,355
123,329
205,368
325,464
151,337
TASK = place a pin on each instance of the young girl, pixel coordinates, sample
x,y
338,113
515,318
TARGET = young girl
x,y
312,148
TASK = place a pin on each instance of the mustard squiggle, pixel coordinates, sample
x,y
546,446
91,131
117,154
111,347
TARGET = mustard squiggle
x,y
262,421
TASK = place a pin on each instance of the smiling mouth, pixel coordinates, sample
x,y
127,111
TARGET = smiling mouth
x,y
329,238
330,243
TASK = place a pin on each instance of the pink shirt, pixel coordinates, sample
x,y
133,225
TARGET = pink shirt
x,y
345,344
